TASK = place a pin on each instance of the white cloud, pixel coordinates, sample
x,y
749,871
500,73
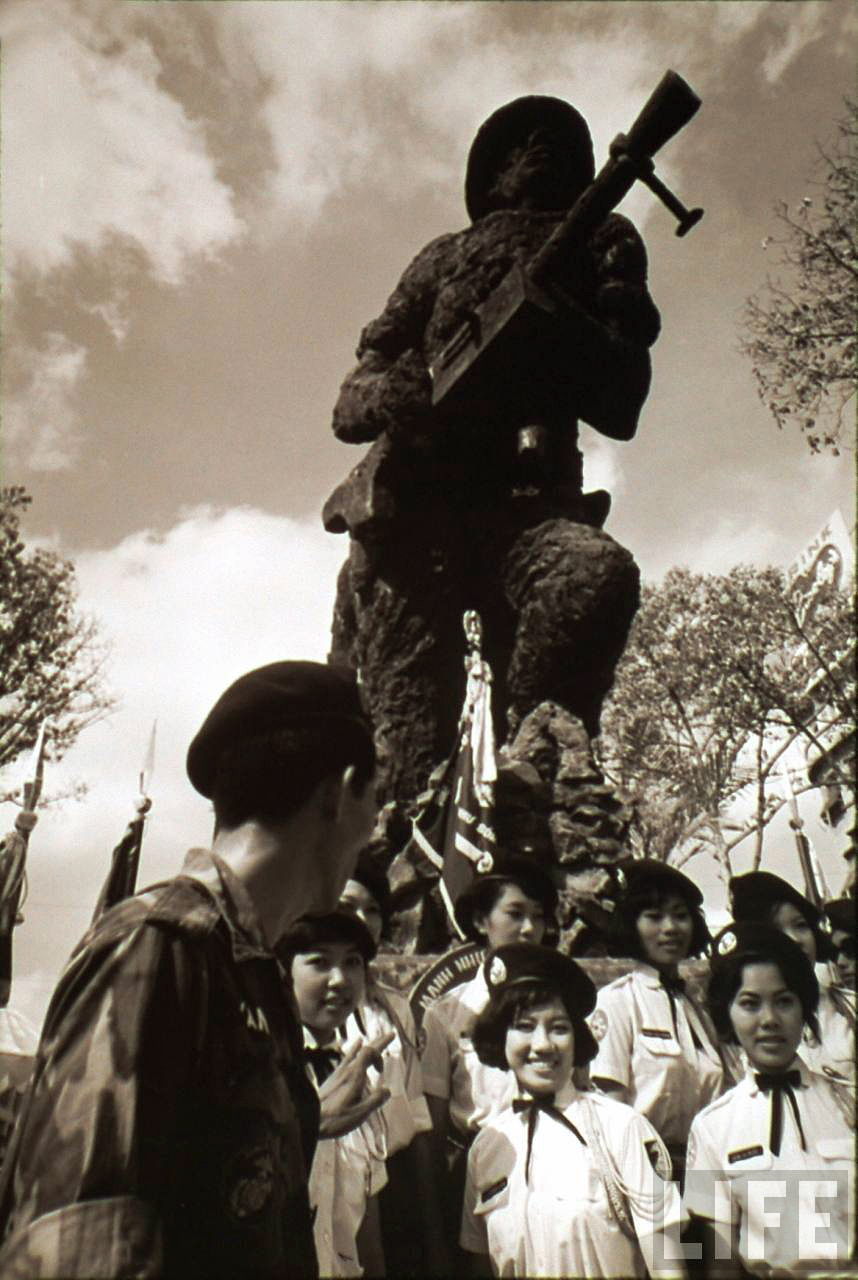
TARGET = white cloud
x,y
95,148
602,462
185,612
40,418
801,25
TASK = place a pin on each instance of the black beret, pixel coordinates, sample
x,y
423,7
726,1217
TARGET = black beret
x,y
279,696
493,138
841,915
523,963
341,925
526,872
640,875
755,893
743,940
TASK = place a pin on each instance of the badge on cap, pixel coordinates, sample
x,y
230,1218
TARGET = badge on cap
x,y
727,943
622,883
497,972
825,924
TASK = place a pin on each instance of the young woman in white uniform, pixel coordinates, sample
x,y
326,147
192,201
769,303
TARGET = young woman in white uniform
x,y
515,902
562,1182
764,897
771,1163
327,957
657,1048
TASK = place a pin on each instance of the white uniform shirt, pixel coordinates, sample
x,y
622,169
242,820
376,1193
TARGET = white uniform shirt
x,y
346,1171
834,1053
451,1068
779,1203
667,1077
559,1221
406,1112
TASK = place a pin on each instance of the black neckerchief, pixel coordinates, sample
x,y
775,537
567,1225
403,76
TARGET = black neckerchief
x,y
779,1083
533,1106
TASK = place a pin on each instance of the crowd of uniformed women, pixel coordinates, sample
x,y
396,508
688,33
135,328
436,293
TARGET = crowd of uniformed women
x,y
537,1127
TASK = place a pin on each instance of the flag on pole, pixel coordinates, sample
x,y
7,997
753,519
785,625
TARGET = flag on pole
x,y
122,877
454,827
13,861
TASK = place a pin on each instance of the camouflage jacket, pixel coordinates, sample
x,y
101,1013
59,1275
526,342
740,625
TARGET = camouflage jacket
x,y
170,1123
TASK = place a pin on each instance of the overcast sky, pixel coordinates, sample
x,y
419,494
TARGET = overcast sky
x,y
202,204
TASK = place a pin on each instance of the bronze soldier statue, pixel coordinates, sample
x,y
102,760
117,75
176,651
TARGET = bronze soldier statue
x,y
472,498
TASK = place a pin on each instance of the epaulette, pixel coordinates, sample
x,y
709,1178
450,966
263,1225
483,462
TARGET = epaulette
x,y
624,980
182,904
715,1105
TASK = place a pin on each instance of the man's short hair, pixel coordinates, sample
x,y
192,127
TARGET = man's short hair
x,y
274,735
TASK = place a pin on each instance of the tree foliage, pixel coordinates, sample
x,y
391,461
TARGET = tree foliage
x,y
800,331
51,656
722,674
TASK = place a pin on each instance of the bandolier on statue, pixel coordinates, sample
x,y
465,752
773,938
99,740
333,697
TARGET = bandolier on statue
x,y
497,340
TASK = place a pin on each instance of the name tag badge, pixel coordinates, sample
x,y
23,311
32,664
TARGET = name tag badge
x,y
657,1033
744,1153
492,1190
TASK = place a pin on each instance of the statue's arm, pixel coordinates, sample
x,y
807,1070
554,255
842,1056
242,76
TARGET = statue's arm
x,y
390,389
621,297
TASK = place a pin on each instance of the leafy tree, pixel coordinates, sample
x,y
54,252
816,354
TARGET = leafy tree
x,y
51,656
721,677
800,332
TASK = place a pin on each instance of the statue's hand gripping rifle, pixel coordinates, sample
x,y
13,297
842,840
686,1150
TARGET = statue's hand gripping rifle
x,y
525,311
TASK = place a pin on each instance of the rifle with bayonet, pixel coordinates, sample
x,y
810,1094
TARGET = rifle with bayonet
x,y
528,312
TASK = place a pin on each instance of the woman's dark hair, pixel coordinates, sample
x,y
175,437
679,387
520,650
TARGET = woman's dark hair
x,y
490,1028
726,979
485,893
625,939
269,776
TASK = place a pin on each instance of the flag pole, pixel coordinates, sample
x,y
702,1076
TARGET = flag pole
x,y
122,877
13,859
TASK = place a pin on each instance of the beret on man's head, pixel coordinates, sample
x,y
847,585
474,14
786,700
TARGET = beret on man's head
x,y
281,695
507,124
519,964
341,925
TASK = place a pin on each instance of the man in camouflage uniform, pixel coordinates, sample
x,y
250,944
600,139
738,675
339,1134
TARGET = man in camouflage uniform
x,y
170,1123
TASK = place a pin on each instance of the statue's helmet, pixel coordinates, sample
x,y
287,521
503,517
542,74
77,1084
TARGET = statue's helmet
x,y
506,127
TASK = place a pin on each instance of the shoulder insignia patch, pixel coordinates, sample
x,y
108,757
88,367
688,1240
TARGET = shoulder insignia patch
x,y
657,1033
658,1158
744,1153
599,1024
493,1190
